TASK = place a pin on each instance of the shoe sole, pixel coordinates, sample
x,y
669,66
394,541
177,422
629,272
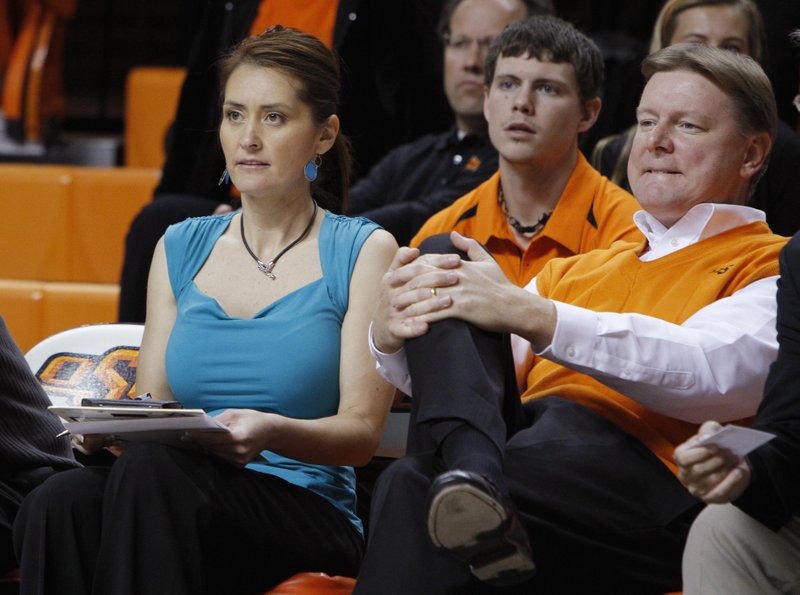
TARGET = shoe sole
x,y
459,517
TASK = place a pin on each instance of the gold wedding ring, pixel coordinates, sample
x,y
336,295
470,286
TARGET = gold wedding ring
x,y
433,291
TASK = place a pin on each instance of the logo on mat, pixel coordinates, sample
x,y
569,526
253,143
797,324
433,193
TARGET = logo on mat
x,y
111,375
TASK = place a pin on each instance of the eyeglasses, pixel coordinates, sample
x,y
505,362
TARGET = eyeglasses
x,y
464,44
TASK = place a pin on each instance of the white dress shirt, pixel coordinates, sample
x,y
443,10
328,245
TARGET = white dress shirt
x,y
713,366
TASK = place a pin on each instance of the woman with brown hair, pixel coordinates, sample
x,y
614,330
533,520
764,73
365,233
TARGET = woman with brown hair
x,y
259,317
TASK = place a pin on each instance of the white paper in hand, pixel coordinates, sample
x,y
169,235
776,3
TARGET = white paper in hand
x,y
738,440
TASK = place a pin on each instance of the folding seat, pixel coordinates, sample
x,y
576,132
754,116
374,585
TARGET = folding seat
x,y
151,98
34,228
104,201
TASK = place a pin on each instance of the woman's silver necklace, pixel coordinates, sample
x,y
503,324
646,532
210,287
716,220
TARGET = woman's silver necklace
x,y
267,268
525,230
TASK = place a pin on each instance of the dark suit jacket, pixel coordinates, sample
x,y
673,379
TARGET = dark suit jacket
x,y
27,429
773,496
391,86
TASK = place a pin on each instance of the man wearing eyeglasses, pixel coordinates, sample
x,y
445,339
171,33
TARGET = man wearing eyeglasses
x,y
416,180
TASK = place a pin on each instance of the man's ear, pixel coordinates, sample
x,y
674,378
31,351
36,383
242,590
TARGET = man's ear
x,y
328,134
589,112
485,101
756,154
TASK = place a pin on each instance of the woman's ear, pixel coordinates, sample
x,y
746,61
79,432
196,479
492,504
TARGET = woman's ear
x,y
328,134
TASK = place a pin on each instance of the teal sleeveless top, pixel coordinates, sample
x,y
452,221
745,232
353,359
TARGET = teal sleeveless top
x,y
284,360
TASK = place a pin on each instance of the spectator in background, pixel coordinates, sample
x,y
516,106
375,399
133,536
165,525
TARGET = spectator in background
x,y
735,25
391,94
418,179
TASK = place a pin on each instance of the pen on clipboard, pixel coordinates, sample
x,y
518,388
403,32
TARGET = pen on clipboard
x,y
61,434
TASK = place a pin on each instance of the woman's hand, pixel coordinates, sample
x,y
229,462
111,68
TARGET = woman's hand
x,y
90,443
716,476
248,435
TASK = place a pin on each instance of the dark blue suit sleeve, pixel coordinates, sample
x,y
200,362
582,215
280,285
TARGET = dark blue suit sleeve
x,y
773,496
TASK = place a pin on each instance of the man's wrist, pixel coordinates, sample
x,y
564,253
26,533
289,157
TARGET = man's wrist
x,y
537,318
379,343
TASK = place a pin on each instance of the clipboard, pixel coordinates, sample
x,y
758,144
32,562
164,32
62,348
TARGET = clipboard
x,y
134,422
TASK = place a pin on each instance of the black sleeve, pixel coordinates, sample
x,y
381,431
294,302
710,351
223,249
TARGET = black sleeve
x,y
773,496
372,190
777,192
404,219
392,90
27,429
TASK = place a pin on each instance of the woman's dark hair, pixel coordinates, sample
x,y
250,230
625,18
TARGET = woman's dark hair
x,y
306,59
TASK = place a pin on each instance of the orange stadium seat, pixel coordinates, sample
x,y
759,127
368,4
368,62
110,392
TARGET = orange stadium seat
x,y
21,305
104,201
67,305
34,228
314,583
34,309
68,223
151,98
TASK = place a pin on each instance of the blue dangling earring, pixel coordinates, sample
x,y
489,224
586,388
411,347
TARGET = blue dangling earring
x,y
312,168
224,178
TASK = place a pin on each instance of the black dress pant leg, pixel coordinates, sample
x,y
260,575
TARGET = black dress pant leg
x,y
461,375
10,499
14,486
194,524
401,559
603,514
169,520
57,533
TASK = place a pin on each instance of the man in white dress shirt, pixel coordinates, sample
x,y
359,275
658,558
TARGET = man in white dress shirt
x,y
619,354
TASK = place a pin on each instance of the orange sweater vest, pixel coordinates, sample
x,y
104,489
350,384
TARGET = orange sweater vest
x,y
672,288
